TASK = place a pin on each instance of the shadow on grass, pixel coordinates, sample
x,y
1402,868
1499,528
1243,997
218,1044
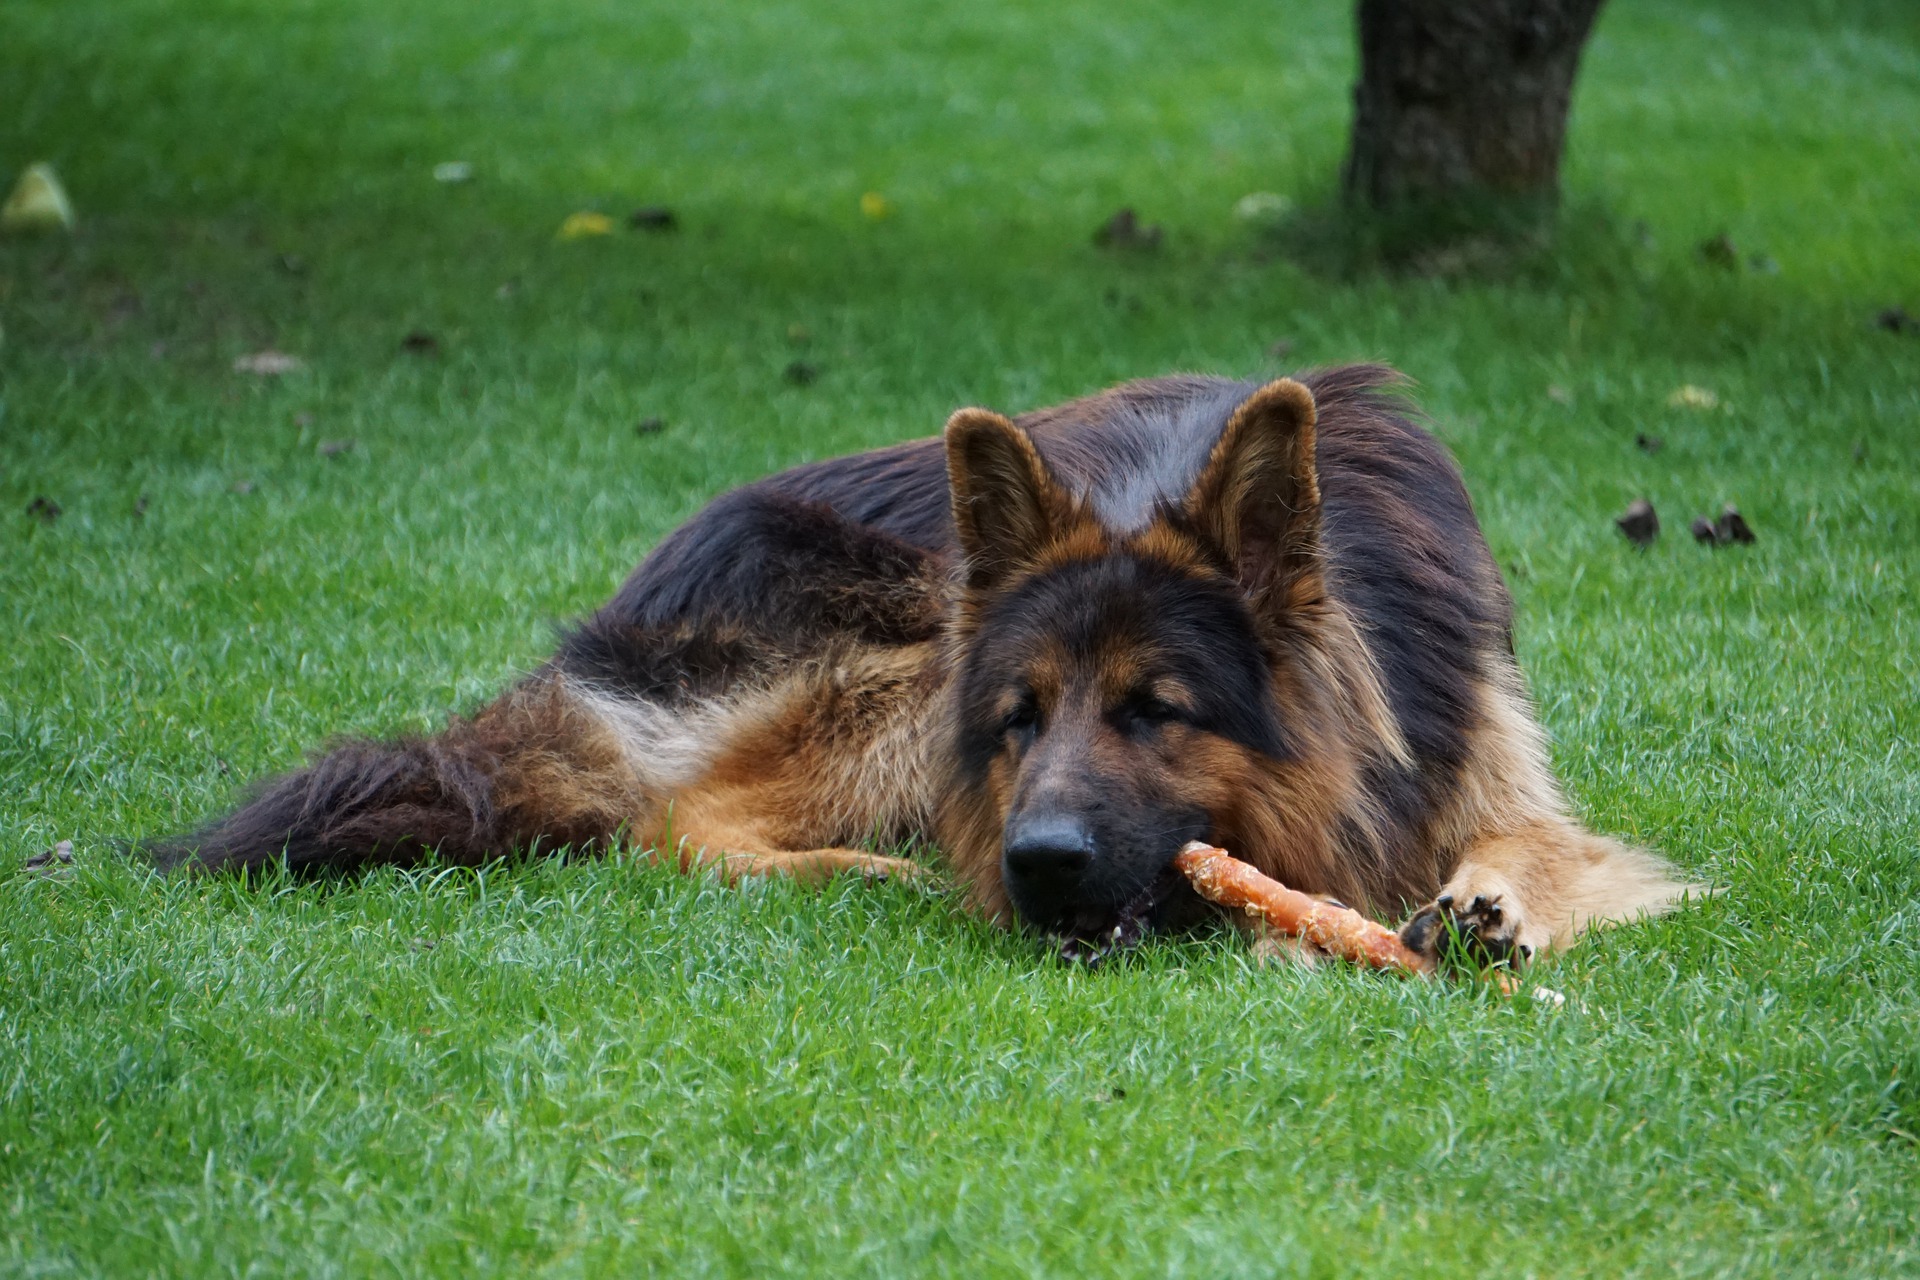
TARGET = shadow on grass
x,y
1484,239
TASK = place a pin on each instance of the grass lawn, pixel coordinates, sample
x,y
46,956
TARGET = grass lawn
x,y
594,1068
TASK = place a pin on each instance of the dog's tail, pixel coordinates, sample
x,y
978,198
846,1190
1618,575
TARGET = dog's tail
x,y
538,767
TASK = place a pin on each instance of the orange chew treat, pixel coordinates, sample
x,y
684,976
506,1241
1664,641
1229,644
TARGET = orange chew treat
x,y
1342,932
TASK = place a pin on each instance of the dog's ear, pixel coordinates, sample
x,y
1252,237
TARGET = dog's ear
x,y
1256,502
1005,504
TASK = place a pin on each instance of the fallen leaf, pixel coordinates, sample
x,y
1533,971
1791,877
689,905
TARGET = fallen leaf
x,y
649,426
1719,251
37,203
1639,522
269,363
653,217
580,226
1559,394
1124,230
1648,444
1692,397
1731,527
420,343
334,448
876,206
61,855
241,487
452,171
1262,208
802,373
45,508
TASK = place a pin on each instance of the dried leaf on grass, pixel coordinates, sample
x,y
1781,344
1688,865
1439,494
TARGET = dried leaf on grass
x,y
1639,522
37,203
269,364
584,225
1124,230
1692,397
1731,527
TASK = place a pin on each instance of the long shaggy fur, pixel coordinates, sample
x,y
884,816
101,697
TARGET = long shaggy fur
x,y
1059,645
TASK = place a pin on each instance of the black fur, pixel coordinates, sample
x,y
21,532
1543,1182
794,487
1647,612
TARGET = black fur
x,y
362,802
1173,626
757,580
1404,550
1197,631
861,550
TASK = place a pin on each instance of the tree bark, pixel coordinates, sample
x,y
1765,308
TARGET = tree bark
x,y
1463,99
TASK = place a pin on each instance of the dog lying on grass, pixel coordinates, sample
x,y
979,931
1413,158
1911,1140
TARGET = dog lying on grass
x,y
1061,646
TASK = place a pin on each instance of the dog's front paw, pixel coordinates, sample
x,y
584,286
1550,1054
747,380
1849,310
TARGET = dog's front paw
x,y
1481,934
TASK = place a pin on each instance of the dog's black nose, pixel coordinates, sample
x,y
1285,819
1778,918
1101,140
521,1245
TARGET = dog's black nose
x,y
1046,854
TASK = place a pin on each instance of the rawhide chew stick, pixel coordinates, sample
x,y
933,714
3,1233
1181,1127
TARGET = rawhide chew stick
x,y
1341,932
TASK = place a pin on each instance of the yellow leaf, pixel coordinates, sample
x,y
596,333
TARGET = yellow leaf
x,y
579,226
875,205
1692,397
37,203
1262,208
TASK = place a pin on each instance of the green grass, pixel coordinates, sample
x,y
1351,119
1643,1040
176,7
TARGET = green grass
x,y
601,1068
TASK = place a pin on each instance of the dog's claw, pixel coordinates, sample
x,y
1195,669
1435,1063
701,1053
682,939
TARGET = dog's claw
x,y
1480,936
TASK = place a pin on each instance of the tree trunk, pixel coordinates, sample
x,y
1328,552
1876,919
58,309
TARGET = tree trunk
x,y
1462,100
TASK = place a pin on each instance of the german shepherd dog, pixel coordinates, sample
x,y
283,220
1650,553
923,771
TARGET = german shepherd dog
x,y
1060,646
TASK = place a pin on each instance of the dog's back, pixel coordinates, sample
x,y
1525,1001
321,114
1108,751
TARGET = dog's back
x,y
851,549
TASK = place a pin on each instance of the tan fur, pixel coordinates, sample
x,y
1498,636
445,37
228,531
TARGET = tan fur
x,y
1512,839
777,780
837,722
787,777
568,782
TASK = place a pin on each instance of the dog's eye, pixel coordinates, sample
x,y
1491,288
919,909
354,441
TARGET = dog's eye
x,y
1147,710
1023,719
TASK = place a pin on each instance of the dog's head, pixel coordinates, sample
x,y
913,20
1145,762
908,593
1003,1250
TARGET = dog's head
x,y
1122,692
